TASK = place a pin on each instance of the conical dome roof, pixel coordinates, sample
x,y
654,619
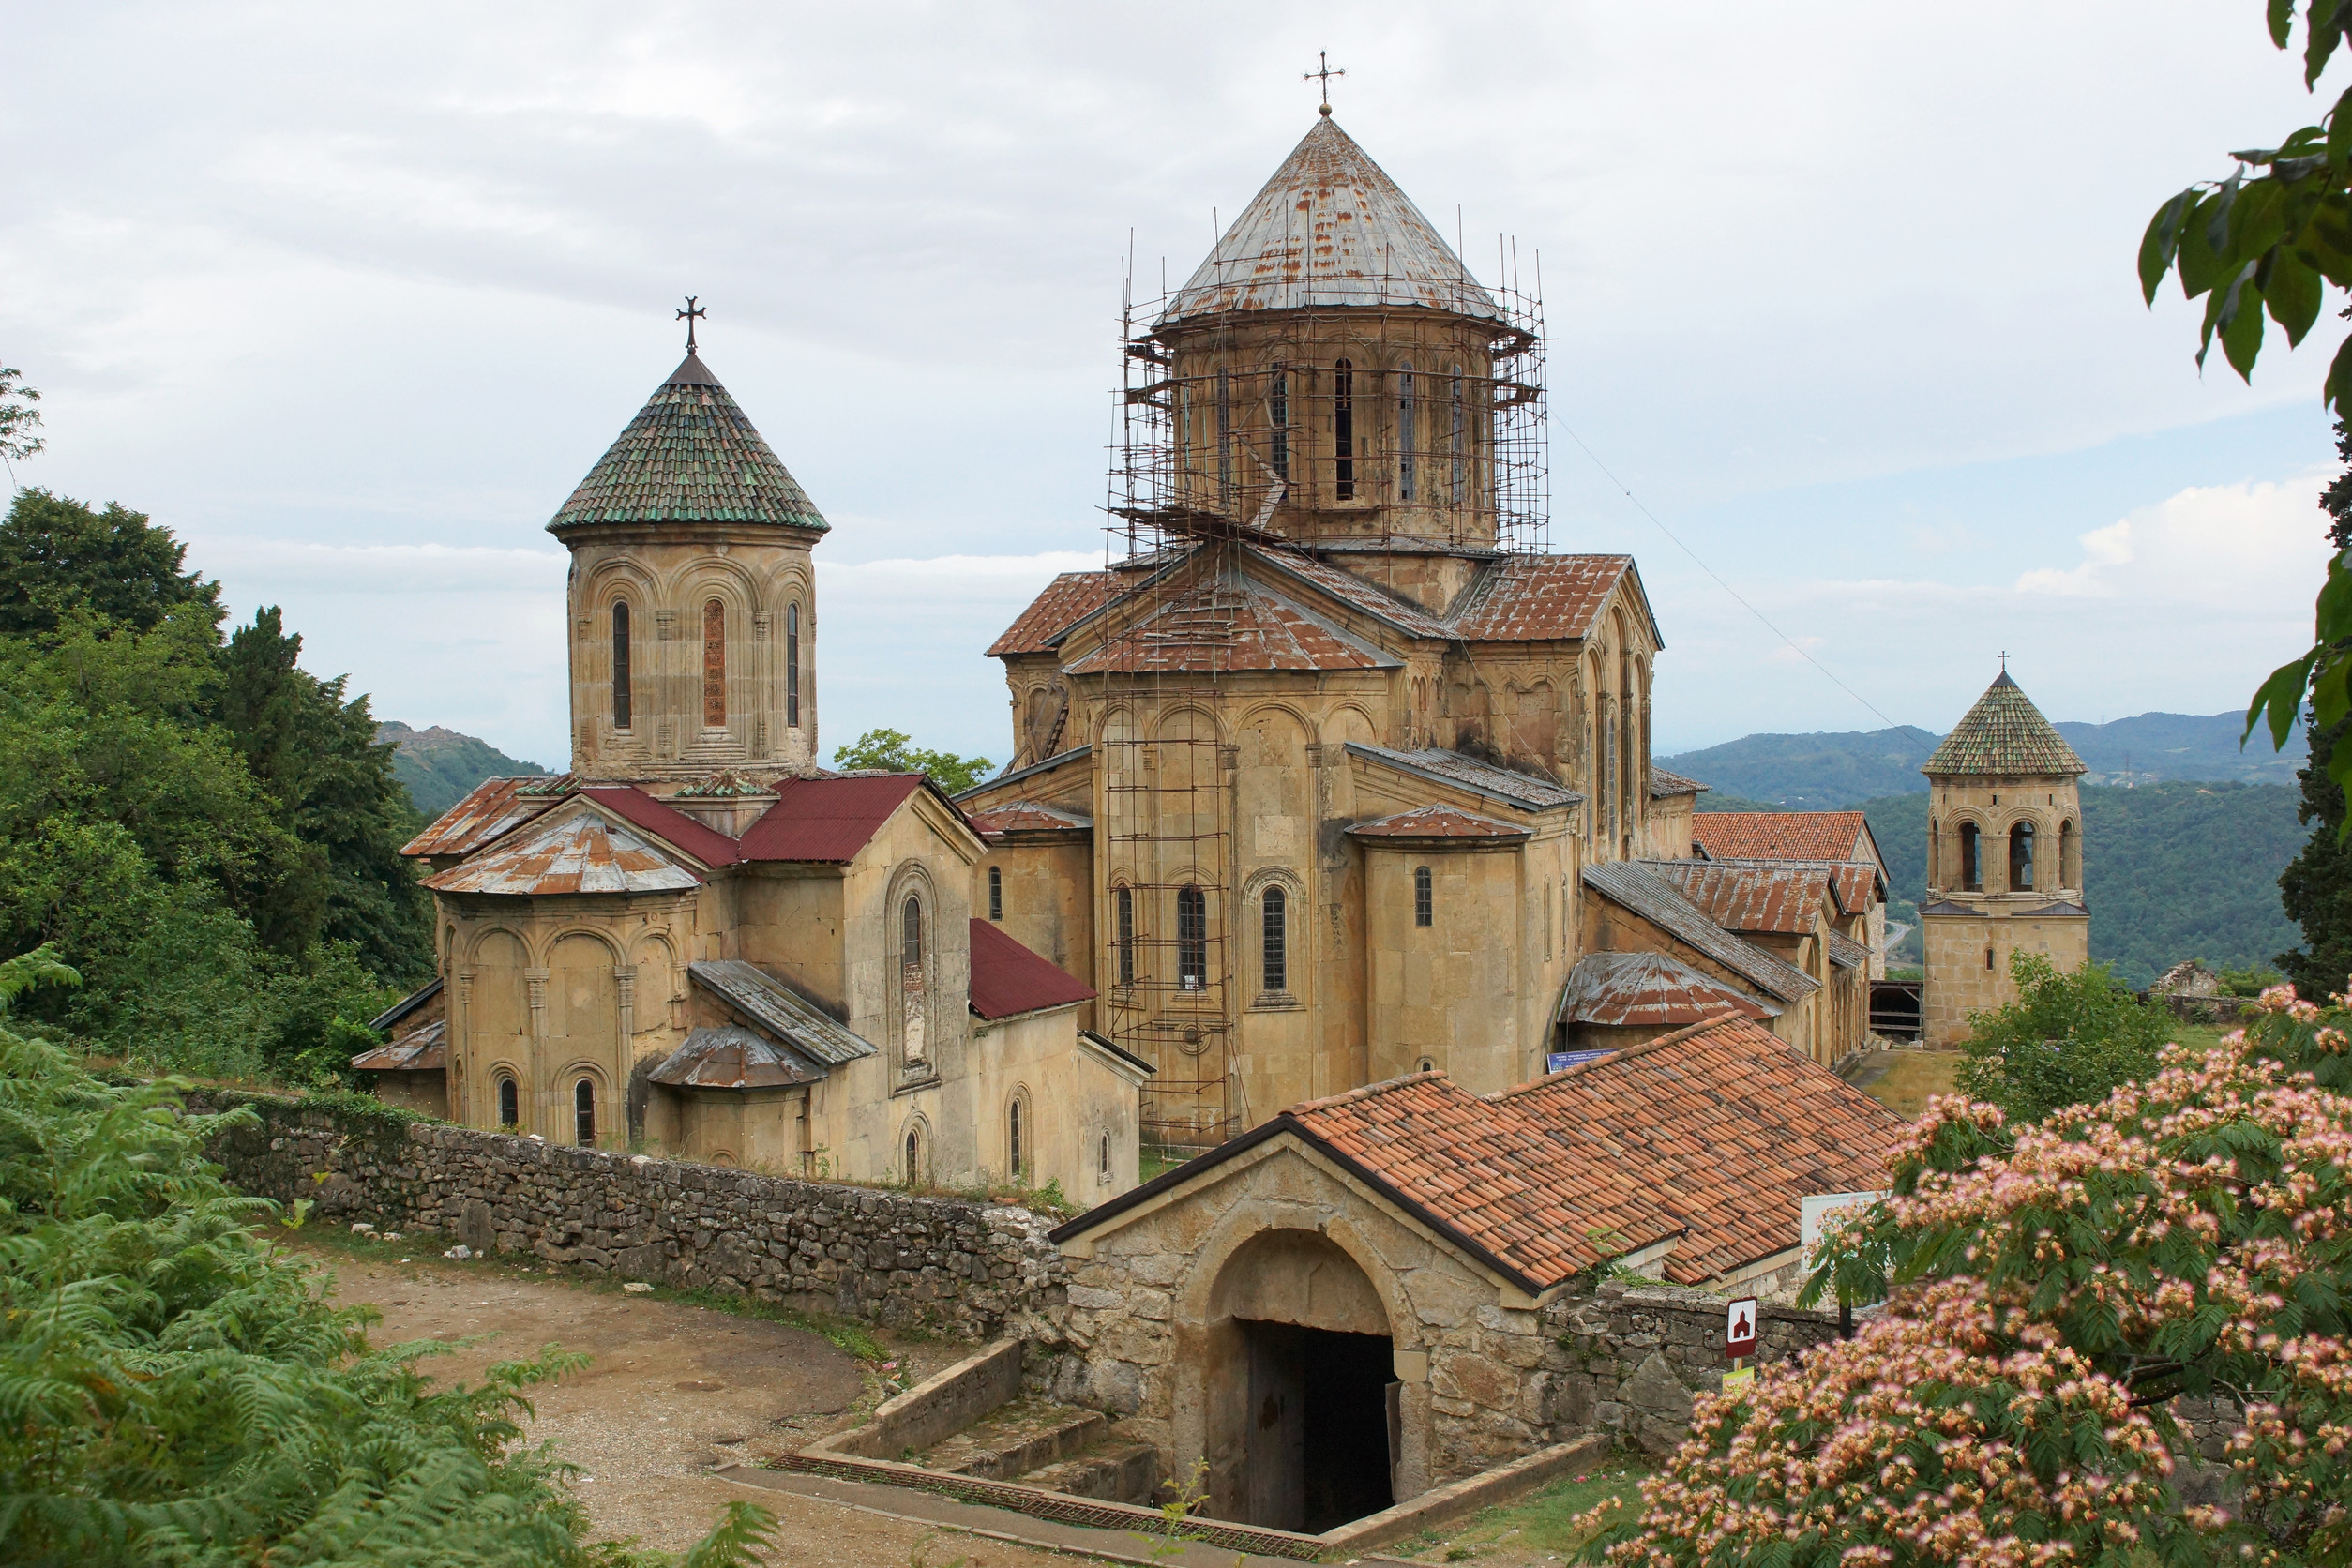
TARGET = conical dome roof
x,y
2004,733
1330,228
689,456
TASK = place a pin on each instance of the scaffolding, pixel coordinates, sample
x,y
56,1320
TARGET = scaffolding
x,y
1268,429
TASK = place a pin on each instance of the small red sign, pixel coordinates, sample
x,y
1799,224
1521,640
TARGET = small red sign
x,y
1738,1334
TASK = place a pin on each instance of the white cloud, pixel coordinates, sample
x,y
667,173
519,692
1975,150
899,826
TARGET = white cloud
x,y
2207,541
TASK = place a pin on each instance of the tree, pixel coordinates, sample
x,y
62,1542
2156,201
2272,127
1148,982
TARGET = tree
x,y
59,556
2317,886
2066,1039
895,752
18,418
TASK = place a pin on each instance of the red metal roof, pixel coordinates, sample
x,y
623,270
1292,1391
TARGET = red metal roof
x,y
1783,899
1227,623
1782,835
1541,598
827,820
1065,601
580,854
494,807
1008,978
699,839
1435,821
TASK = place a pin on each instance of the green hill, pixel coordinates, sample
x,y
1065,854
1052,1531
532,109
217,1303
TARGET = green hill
x,y
439,767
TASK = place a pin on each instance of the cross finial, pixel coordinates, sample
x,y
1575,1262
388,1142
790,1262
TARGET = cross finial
x,y
2004,662
1324,76
688,315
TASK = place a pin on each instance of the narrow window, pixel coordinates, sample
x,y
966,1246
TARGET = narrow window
x,y
1013,1137
584,1114
1343,429
1988,958
1453,438
1971,874
1192,939
714,666
996,892
1224,438
1280,400
1126,901
621,664
2070,856
2021,857
1274,940
1102,1167
1424,904
913,986
792,666
1935,853
914,1155
910,933
509,1103
1404,431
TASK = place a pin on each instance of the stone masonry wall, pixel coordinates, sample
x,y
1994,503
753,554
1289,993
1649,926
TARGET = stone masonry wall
x,y
966,1268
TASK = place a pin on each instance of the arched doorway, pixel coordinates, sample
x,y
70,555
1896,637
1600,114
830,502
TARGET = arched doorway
x,y
1303,1401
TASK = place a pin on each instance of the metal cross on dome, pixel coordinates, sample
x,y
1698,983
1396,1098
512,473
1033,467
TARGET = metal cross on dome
x,y
688,315
2004,662
1323,75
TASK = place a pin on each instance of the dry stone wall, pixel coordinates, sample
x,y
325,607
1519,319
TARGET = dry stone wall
x,y
967,1268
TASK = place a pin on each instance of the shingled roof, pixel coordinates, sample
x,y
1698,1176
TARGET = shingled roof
x,y
1782,835
692,455
2004,733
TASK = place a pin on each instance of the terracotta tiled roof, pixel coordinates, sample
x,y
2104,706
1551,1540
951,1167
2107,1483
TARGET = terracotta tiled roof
x,y
779,1012
1008,978
1662,784
1524,791
1730,1127
1781,835
1632,885
1541,598
494,806
1065,601
1489,1172
581,853
1228,624
1649,991
1435,821
1027,816
1348,588
2004,733
827,820
729,1056
689,456
1782,899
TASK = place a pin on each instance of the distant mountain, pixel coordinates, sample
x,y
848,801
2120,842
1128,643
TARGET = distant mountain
x,y
1823,772
439,767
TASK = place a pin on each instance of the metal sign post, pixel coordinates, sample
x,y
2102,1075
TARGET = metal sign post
x,y
1739,1343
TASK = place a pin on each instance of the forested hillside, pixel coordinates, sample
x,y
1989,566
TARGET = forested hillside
x,y
2171,871
439,767
209,832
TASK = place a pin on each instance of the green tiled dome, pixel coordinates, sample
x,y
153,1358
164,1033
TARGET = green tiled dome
x,y
689,456
2004,733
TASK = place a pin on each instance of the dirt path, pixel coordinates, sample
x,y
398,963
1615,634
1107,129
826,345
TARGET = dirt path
x,y
671,1388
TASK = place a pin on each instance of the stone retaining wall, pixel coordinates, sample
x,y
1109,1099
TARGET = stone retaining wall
x,y
967,1268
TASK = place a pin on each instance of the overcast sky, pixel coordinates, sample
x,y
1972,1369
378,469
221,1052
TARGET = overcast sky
x,y
350,299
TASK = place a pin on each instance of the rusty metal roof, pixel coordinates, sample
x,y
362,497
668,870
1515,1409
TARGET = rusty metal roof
x,y
1634,886
1780,898
1358,593
779,1011
1008,979
2004,733
1523,791
1228,624
1027,816
1855,884
1436,822
732,1057
1649,991
1330,228
583,852
422,1050
697,838
496,805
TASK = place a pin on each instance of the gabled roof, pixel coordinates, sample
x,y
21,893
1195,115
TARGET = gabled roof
x,y
580,853
1041,765
1846,953
1228,624
689,456
1727,1126
1027,816
1436,822
1664,784
827,820
1064,602
2004,733
1632,885
1358,593
1547,598
1330,228
406,1006
1784,898
1648,991
495,805
1008,979
732,1057
697,838
422,1050
1784,836
777,1010
1523,791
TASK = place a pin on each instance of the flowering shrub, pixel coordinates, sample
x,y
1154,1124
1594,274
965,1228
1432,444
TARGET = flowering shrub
x,y
2052,1288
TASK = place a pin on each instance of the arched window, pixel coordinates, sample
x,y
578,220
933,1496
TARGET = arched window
x,y
1343,429
714,666
1101,1159
1425,901
1273,949
509,1103
792,666
914,983
1124,899
911,931
1453,438
1971,867
621,664
1192,939
1015,1152
1404,431
1608,770
996,892
584,1114
2021,857
1225,437
1278,402
2070,856
1934,854
914,1154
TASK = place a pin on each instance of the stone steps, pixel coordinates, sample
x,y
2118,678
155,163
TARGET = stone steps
x,y
1024,1436
1112,1471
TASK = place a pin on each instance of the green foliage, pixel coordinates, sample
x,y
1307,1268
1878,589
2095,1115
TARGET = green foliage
x,y
439,767
18,416
60,558
2317,886
2251,981
895,752
2065,1040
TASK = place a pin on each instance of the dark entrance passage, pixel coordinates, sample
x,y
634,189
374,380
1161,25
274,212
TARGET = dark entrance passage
x,y
1321,1425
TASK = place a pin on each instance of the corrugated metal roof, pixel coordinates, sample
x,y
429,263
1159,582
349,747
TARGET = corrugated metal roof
x,y
1227,623
1855,885
1436,822
1008,978
776,1008
2004,733
1027,816
827,820
1524,791
496,805
1780,898
732,1057
1649,991
690,455
1545,598
1330,228
580,854
1632,885
422,1050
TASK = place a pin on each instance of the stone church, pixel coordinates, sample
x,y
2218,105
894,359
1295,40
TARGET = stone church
x,y
1336,773
697,941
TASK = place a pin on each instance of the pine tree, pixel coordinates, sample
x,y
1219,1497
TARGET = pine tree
x,y
2317,886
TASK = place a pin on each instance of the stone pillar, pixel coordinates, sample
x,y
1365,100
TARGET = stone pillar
x,y
542,1093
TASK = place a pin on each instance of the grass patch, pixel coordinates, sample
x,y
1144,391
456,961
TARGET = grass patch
x,y
1543,1521
1912,1078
